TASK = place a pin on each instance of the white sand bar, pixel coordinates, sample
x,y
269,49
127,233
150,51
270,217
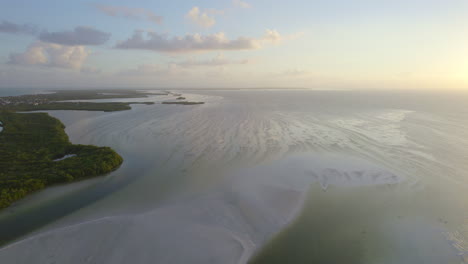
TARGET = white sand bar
x,y
65,157
224,225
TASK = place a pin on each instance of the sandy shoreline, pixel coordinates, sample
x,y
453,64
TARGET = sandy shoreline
x,y
65,157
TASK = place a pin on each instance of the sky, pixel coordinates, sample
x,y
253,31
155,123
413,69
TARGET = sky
x,y
317,44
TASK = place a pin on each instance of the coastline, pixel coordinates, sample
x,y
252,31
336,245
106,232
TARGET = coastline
x,y
14,234
85,100
30,146
173,142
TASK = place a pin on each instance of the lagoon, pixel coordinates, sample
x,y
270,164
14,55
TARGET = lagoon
x,y
261,175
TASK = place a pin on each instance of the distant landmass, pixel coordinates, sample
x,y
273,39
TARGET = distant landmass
x,y
62,100
58,100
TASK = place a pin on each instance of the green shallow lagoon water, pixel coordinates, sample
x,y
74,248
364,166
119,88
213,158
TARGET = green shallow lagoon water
x,y
362,225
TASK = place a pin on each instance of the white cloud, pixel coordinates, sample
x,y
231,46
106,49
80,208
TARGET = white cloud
x,y
217,61
196,42
241,4
34,55
202,19
51,55
157,70
128,12
272,36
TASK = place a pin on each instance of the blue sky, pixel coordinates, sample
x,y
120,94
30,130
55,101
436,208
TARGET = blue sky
x,y
232,43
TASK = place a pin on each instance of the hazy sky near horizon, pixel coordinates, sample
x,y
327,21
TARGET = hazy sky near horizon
x,y
335,44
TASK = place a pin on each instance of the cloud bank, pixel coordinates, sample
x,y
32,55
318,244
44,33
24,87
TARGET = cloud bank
x,y
51,55
12,28
195,42
79,36
132,13
219,60
155,70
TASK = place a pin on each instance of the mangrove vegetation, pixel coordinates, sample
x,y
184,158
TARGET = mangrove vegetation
x,y
29,144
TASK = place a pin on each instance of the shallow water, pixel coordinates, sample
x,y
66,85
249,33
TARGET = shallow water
x,y
381,177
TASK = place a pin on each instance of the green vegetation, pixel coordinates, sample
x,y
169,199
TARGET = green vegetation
x,y
63,95
58,100
106,107
29,144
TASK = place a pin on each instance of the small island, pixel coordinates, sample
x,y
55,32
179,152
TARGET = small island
x,y
60,100
35,152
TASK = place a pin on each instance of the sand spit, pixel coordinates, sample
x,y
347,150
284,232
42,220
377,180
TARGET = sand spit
x,y
65,157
